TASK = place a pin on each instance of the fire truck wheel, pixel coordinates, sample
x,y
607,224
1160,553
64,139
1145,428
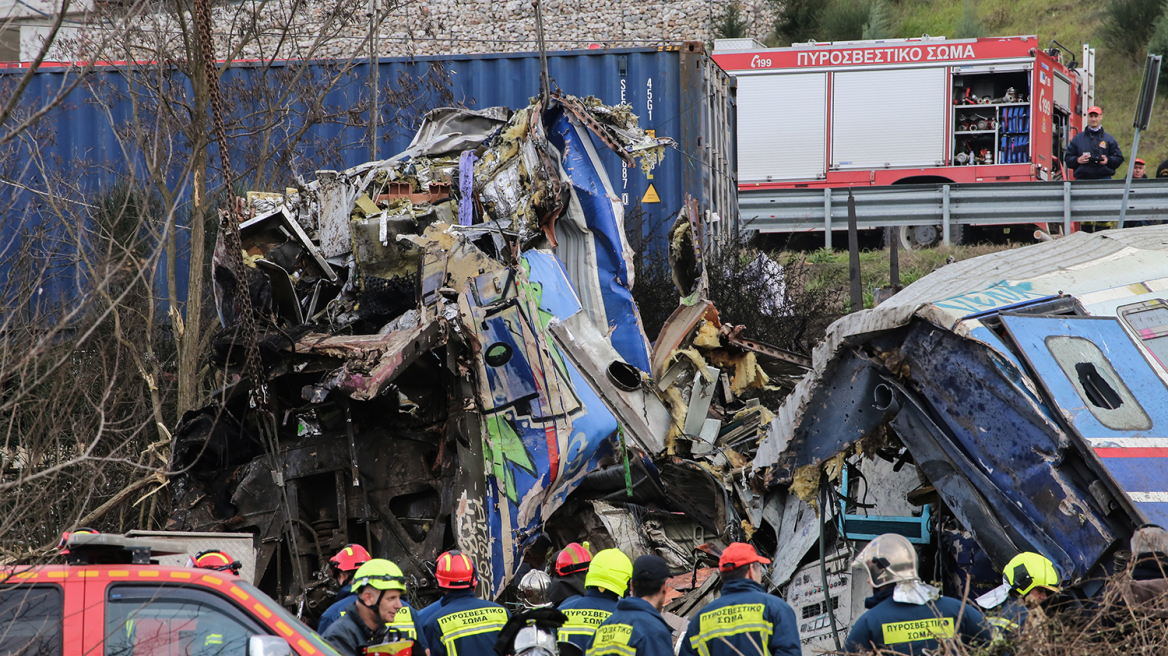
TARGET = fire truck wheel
x,y
921,236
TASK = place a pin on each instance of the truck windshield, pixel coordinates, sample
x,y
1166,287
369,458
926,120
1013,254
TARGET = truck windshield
x,y
290,619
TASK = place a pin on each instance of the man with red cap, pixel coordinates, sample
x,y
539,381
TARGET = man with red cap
x,y
745,617
1138,169
1093,154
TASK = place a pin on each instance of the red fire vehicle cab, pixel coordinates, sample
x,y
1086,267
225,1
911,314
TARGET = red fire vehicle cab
x,y
110,600
905,110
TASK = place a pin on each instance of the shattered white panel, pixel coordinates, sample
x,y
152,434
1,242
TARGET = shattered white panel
x,y
336,197
577,251
799,531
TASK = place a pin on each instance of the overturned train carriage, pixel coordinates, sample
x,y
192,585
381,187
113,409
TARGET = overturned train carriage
x,y
452,358
1012,402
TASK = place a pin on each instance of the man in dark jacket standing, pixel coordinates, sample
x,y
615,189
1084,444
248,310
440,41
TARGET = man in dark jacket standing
x,y
1093,154
637,627
745,616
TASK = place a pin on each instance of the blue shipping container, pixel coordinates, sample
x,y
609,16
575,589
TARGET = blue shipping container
x,y
676,91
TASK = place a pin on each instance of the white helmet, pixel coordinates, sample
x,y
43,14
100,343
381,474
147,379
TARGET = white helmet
x,y
534,641
890,558
535,589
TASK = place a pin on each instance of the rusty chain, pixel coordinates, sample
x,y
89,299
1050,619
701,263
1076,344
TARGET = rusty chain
x,y
230,218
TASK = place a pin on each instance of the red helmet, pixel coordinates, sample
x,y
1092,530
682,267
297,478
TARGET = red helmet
x,y
350,559
572,559
63,545
216,560
455,571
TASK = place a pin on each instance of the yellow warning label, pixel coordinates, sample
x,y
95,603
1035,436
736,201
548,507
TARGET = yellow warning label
x,y
651,133
651,195
939,628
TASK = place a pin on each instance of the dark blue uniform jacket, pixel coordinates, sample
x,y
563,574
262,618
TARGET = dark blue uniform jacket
x,y
635,629
345,598
743,621
461,624
585,614
1095,143
912,629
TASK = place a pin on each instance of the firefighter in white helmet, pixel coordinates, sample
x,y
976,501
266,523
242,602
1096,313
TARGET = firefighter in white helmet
x,y
905,615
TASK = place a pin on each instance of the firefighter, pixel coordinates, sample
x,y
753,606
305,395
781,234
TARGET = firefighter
x,y
460,624
1028,580
904,615
341,568
607,580
569,573
637,627
375,616
745,616
1093,154
217,560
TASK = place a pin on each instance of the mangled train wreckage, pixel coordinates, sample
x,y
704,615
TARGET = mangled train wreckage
x,y
451,357
1011,402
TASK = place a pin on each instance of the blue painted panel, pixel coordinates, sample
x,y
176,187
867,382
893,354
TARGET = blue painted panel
x,y
1031,333
538,452
1134,455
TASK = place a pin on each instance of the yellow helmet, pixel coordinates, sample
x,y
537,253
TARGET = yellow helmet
x,y
1029,570
611,570
381,574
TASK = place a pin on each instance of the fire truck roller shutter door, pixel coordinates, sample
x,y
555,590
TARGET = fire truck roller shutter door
x,y
889,118
781,127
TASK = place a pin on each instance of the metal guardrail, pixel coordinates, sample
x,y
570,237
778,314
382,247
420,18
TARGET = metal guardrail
x,y
987,203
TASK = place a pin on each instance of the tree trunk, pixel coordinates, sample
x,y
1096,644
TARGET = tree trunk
x,y
190,342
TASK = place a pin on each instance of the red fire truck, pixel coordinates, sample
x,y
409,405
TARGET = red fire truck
x,y
900,111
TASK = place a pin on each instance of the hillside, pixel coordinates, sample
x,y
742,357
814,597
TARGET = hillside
x,y
1071,22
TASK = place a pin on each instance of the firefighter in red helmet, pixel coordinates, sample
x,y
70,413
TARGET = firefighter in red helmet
x,y
569,573
342,567
460,624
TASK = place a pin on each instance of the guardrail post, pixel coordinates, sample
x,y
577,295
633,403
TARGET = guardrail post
x,y
1066,207
827,218
945,214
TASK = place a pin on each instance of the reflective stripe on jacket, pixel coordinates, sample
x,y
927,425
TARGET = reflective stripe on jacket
x,y
585,614
635,629
462,625
744,621
912,629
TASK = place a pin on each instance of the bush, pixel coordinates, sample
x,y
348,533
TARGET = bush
x,y
731,24
1158,45
969,25
796,21
879,25
1128,25
844,20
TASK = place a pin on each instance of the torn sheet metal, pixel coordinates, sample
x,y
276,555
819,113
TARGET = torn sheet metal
x,y
473,374
371,361
604,219
989,414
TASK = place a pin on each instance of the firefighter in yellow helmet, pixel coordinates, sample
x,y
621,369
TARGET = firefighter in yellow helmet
x,y
376,623
1027,580
606,582
905,615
